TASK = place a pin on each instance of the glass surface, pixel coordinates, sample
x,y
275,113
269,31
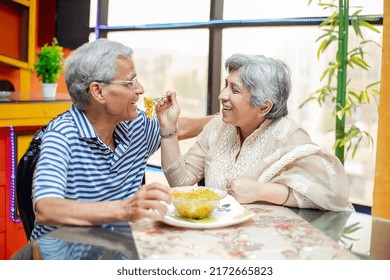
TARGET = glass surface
x,y
261,9
33,97
106,242
135,12
296,47
364,235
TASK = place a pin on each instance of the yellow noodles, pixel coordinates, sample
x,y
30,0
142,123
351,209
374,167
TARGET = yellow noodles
x,y
149,107
202,193
195,204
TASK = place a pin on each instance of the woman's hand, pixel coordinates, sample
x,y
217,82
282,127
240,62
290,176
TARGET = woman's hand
x,y
150,201
244,190
168,111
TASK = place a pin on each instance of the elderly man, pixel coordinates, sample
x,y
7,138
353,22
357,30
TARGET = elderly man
x,y
93,157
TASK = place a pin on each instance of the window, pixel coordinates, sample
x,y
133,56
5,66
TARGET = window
x,y
171,60
151,12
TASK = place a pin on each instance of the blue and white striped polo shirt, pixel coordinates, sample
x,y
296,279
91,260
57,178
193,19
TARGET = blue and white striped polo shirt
x,y
75,164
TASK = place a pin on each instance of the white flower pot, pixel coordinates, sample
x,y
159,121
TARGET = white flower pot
x,y
49,91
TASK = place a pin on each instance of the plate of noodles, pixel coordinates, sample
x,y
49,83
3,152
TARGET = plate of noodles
x,y
228,212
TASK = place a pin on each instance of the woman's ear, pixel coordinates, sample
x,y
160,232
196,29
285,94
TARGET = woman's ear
x,y
95,90
264,110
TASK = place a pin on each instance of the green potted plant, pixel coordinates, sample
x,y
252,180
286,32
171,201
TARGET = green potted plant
x,y
48,68
346,100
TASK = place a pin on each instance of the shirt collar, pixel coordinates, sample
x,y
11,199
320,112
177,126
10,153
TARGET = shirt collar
x,y
85,127
123,129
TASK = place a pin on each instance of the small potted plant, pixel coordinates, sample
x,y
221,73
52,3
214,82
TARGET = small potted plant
x,y
48,68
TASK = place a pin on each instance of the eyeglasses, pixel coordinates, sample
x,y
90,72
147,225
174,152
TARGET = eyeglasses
x,y
129,83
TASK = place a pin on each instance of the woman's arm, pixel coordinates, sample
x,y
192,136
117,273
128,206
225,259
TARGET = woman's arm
x,y
191,127
247,190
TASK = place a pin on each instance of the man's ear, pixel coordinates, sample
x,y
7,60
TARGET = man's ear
x,y
95,89
264,110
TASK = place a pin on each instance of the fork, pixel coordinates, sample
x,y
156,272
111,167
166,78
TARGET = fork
x,y
158,99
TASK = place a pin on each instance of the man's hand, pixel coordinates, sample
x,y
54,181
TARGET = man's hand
x,y
150,201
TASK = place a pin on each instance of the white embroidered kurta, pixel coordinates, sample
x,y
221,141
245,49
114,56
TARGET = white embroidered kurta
x,y
278,151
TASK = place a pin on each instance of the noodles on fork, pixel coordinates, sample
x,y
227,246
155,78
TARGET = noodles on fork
x,y
149,107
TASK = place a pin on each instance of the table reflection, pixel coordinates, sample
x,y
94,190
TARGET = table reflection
x,y
108,242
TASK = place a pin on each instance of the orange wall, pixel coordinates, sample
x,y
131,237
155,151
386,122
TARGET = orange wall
x,y
381,199
10,29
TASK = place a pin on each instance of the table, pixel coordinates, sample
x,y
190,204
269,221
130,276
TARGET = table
x,y
273,233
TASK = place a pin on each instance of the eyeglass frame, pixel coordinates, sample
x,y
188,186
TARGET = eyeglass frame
x,y
128,83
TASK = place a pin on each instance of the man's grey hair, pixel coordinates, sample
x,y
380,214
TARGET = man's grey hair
x,y
94,61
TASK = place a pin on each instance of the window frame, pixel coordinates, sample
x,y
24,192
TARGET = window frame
x,y
216,24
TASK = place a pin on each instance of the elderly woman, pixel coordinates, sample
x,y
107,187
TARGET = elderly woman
x,y
93,157
253,149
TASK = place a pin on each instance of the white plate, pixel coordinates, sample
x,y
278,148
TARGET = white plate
x,y
229,212
5,93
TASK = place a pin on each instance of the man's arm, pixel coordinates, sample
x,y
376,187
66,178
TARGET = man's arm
x,y
148,202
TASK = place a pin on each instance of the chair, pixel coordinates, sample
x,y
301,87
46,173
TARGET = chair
x,y
24,178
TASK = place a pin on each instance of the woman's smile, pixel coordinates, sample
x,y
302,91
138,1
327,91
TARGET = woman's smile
x,y
226,108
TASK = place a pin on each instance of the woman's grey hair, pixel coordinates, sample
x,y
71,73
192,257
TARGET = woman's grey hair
x,y
266,78
94,61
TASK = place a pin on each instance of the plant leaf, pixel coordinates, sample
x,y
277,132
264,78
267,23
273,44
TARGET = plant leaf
x,y
353,131
369,26
359,62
